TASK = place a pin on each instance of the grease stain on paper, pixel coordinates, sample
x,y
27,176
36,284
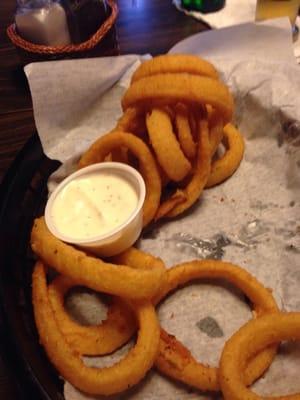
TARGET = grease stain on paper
x,y
253,232
290,133
259,205
214,247
250,235
202,248
292,248
210,326
285,233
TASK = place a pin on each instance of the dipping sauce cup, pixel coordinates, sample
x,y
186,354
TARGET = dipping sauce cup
x,y
98,208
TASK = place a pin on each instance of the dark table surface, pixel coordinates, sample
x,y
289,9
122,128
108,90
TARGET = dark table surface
x,y
143,26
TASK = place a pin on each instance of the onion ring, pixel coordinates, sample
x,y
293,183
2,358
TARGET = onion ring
x,y
175,360
166,89
193,121
119,280
168,205
163,176
147,164
184,133
132,121
251,338
100,339
224,167
119,155
175,63
138,259
202,170
215,131
120,324
106,381
165,145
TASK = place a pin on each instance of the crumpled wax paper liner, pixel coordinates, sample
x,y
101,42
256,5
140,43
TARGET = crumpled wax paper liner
x,y
252,219
75,101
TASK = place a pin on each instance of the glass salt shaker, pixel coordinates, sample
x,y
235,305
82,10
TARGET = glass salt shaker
x,y
42,22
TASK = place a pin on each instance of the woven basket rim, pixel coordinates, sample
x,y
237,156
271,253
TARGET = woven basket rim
x,y
89,44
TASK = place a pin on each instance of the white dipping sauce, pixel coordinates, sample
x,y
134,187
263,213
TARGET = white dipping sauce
x,y
93,205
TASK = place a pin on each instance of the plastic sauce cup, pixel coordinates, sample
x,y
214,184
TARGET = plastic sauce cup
x,y
122,236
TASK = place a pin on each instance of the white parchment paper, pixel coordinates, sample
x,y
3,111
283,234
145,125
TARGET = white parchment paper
x,y
253,219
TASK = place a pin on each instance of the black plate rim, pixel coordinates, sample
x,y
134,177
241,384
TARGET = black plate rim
x,y
25,378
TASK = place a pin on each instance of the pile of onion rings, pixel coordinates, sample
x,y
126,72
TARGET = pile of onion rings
x,y
65,340
177,113
117,378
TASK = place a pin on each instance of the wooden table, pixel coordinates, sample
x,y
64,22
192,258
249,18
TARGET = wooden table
x,y
143,26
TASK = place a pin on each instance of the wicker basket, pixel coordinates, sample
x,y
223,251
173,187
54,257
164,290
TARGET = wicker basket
x,y
94,40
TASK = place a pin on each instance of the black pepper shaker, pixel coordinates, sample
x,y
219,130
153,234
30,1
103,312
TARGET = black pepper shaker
x,y
85,17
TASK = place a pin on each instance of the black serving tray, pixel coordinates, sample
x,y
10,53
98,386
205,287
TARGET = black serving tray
x,y
25,372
